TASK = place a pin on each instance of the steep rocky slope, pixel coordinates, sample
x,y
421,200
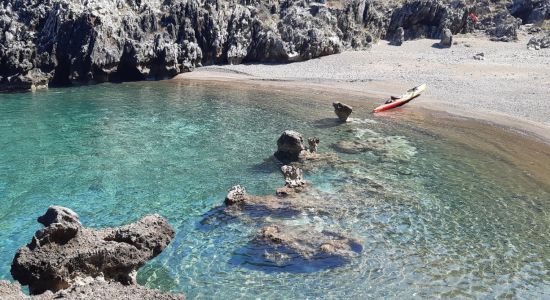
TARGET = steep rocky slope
x,y
60,42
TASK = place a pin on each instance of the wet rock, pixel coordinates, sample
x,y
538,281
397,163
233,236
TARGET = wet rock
x,y
283,245
446,38
313,144
342,110
289,146
531,11
294,177
236,194
49,263
398,37
61,225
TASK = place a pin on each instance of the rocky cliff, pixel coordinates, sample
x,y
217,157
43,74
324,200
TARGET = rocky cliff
x,y
61,42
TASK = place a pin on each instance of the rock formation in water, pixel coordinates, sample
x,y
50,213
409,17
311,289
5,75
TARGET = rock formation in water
x,y
294,177
342,110
313,144
290,146
64,252
284,243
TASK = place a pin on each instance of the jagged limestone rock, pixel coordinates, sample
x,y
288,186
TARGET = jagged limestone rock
x,y
64,250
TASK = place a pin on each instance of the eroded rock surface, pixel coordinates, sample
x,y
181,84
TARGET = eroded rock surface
x,y
289,146
313,144
446,38
285,244
294,176
64,250
64,41
342,110
89,289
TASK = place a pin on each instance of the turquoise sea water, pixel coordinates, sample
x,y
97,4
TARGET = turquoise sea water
x,y
453,221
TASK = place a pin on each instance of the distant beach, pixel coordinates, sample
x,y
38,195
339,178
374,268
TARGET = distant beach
x,y
506,87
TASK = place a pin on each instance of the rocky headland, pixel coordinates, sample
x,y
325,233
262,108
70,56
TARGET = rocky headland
x,y
62,42
67,260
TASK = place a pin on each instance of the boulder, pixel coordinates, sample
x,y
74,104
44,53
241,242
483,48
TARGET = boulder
x,y
342,110
289,146
504,27
446,38
539,42
531,11
398,37
236,194
294,177
313,144
57,256
61,225
427,19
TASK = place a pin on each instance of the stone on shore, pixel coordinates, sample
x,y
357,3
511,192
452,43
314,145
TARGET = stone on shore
x,y
398,37
289,146
446,38
64,251
539,42
342,110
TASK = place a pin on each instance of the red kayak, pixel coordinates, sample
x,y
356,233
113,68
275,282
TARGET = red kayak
x,y
403,99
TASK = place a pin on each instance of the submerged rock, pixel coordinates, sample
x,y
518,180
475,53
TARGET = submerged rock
x,y
236,194
391,148
289,146
64,251
304,244
342,110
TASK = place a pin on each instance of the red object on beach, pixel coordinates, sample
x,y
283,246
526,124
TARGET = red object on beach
x,y
394,104
473,17
403,99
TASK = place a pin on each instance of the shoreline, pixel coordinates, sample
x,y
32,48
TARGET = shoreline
x,y
370,96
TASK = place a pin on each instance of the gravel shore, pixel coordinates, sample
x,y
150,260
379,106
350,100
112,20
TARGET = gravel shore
x,y
510,81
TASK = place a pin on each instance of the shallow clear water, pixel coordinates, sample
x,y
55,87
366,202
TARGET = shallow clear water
x,y
454,220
